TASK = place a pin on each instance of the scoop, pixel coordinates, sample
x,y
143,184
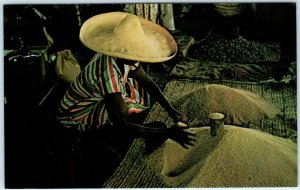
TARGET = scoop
x,y
216,122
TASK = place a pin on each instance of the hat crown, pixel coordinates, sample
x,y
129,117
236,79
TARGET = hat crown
x,y
129,29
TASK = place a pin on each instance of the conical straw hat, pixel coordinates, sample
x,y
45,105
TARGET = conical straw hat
x,y
128,36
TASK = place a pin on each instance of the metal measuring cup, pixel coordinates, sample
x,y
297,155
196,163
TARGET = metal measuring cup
x,y
216,122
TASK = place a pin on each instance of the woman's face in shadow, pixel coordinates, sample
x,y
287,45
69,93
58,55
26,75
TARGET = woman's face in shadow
x,y
126,61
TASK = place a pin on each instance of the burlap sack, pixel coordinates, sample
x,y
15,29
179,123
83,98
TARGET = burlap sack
x,y
67,67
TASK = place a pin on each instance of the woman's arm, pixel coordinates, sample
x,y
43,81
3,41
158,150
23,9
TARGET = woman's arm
x,y
152,88
118,113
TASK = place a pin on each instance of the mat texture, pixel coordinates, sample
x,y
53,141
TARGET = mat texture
x,y
200,70
133,172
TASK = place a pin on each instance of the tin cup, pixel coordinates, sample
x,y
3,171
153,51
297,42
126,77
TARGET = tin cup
x,y
216,122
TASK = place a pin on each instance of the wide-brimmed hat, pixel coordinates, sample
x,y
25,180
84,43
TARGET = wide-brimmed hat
x,y
128,36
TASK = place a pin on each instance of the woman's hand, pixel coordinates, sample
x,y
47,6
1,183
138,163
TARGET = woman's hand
x,y
184,138
175,115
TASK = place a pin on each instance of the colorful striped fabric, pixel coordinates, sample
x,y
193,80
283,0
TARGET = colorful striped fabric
x,y
83,103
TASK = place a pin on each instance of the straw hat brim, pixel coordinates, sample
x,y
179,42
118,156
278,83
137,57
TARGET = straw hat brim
x,y
128,36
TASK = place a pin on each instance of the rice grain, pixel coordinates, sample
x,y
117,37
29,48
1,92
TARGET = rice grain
x,y
237,157
240,107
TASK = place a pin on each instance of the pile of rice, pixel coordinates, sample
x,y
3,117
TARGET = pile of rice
x,y
236,157
240,107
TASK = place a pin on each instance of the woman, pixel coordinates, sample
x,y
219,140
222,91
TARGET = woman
x,y
104,92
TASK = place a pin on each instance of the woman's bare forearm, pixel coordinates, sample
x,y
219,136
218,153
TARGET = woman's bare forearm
x,y
153,89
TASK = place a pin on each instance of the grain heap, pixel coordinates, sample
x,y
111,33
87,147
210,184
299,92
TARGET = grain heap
x,y
219,49
240,107
237,157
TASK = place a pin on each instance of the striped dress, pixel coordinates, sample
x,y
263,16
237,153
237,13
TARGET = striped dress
x,y
83,103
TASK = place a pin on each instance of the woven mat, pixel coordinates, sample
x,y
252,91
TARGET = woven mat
x,y
199,70
133,171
